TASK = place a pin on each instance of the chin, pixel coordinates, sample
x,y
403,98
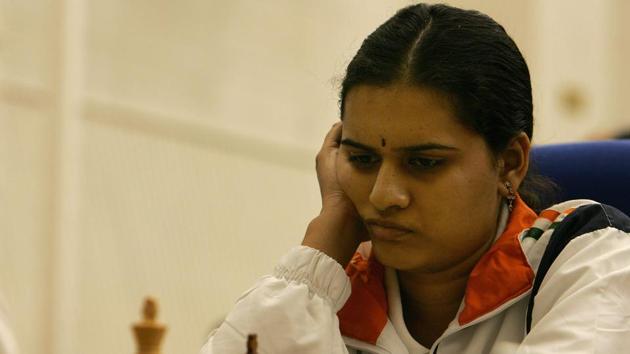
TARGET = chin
x,y
399,256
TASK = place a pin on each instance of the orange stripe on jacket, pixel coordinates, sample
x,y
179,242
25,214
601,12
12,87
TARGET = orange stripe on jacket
x,y
364,315
549,214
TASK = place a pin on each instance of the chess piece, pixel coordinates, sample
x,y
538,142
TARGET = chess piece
x,y
149,332
252,344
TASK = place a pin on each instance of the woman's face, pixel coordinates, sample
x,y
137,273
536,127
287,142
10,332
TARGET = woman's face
x,y
408,164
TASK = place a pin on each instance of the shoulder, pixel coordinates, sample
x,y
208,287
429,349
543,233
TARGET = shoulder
x,y
580,298
587,258
588,216
570,227
584,225
583,230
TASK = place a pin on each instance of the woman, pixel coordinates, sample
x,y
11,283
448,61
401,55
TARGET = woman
x,y
430,163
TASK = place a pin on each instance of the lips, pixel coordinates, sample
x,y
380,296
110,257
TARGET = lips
x,y
386,230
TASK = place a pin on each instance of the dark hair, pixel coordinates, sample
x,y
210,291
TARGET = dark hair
x,y
463,54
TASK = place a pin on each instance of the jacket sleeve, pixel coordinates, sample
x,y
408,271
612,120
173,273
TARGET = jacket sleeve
x,y
294,310
583,305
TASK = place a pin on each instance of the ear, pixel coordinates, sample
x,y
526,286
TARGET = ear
x,y
514,162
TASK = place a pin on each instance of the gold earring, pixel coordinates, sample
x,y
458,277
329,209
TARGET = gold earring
x,y
511,196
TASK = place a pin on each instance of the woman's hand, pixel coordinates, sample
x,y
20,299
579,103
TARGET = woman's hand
x,y
333,197
338,229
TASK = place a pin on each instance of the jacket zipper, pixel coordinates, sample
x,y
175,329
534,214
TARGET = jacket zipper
x,y
363,347
479,319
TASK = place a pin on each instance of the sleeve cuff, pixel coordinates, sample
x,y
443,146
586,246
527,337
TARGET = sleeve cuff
x,y
322,274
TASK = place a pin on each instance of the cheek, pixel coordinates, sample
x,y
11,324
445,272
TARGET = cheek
x,y
476,197
475,182
351,182
344,174
477,201
464,210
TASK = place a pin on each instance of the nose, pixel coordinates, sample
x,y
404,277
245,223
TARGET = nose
x,y
389,192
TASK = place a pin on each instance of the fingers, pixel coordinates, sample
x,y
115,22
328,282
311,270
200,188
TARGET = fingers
x,y
333,138
331,143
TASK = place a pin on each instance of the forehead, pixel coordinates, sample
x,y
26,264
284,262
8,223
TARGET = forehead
x,y
402,114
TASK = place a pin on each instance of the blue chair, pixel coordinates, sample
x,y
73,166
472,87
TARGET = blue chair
x,y
598,170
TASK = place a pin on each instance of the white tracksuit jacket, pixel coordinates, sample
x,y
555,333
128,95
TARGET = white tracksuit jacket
x,y
575,257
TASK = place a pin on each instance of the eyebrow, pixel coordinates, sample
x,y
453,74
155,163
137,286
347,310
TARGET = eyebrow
x,y
413,148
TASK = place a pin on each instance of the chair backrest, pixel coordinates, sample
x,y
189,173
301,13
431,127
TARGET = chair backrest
x,y
598,170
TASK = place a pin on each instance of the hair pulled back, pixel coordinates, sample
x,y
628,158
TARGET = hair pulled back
x,y
463,54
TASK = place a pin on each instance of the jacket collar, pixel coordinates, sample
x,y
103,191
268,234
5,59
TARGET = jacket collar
x,y
501,275
503,272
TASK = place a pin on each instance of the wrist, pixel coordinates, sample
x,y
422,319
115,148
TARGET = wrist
x,y
337,233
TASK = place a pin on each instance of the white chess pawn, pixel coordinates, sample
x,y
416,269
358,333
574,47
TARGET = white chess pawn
x,y
149,332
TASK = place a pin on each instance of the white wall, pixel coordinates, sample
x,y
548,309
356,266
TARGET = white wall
x,y
167,148
576,48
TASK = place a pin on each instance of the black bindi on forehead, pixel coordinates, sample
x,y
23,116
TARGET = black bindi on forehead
x,y
383,143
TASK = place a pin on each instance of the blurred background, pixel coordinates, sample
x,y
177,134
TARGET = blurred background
x,y
167,147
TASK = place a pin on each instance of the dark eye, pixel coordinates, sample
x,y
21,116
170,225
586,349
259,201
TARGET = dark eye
x,y
424,163
363,160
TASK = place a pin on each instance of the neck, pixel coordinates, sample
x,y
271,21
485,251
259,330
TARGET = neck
x,y
430,300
